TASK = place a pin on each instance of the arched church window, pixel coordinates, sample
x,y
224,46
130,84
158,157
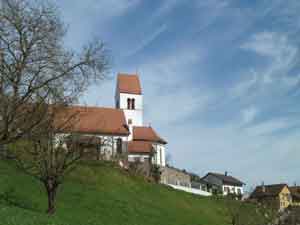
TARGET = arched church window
x,y
128,103
132,103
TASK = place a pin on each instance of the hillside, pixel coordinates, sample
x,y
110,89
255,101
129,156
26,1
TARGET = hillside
x,y
99,194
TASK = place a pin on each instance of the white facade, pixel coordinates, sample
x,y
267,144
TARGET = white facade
x,y
108,147
138,157
134,117
229,189
159,158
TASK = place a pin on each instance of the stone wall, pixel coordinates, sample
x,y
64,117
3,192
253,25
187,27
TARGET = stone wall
x,y
170,175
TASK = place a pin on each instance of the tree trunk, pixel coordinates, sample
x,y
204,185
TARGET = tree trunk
x,y
51,188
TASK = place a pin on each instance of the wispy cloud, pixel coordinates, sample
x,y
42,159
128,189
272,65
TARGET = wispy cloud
x,y
215,77
147,40
277,47
249,114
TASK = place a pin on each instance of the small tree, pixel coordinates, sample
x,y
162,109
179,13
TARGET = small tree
x,y
49,156
39,78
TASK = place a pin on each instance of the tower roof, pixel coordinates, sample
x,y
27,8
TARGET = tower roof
x,y
129,83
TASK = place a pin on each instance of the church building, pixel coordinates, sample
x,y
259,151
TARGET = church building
x,y
121,130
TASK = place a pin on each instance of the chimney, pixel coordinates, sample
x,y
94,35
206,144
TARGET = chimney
x,y
263,187
226,173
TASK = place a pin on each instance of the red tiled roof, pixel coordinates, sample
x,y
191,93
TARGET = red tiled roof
x,y
130,84
146,134
91,120
139,147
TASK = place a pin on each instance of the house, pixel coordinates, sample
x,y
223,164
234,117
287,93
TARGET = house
x,y
295,192
180,180
275,195
173,176
119,130
223,183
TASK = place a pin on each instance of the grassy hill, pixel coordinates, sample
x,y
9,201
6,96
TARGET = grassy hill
x,y
100,194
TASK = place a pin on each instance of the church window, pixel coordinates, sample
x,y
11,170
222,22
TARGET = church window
x,y
128,103
132,103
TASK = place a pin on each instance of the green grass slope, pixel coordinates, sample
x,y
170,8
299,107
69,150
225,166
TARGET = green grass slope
x,y
100,194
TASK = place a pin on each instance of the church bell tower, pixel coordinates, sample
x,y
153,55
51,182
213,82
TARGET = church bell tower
x,y
129,98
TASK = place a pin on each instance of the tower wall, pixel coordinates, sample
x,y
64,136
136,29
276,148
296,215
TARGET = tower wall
x,y
134,117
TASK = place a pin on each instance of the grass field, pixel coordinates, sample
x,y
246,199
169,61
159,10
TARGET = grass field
x,y
100,194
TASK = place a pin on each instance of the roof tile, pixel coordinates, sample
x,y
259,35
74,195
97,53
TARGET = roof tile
x,y
130,84
92,120
147,134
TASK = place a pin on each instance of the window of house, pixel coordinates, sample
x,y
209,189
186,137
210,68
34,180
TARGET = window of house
x,y
129,121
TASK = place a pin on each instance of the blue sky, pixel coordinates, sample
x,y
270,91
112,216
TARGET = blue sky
x,y
220,78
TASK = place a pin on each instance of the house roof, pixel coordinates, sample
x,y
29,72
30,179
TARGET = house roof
x,y
91,120
135,147
129,83
270,190
230,180
147,134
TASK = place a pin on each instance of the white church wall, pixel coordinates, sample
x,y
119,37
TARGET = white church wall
x,y
140,157
135,116
108,146
163,155
137,98
159,158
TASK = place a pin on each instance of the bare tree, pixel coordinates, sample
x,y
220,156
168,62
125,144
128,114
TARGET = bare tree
x,y
36,67
53,150
39,78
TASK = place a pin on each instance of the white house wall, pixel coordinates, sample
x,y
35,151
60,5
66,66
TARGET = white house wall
x,y
232,189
